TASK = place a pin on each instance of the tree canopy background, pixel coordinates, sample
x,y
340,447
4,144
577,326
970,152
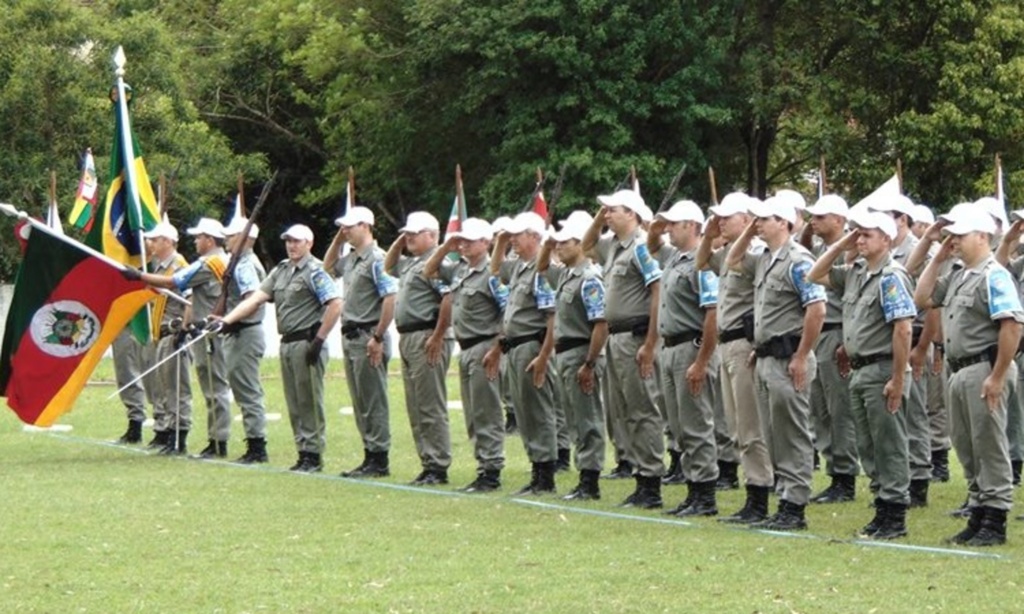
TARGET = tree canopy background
x,y
403,90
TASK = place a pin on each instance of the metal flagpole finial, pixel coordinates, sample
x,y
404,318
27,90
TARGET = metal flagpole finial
x,y
119,61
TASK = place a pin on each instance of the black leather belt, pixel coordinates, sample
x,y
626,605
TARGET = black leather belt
x,y
989,355
415,327
859,362
831,326
351,330
568,343
235,327
731,335
304,334
778,347
674,340
511,342
637,326
468,342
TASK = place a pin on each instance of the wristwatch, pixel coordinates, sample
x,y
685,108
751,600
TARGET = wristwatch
x,y
379,338
590,364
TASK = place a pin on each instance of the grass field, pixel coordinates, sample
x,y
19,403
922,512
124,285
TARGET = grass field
x,y
92,527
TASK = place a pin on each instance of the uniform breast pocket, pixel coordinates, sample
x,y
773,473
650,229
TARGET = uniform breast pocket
x,y
775,286
565,297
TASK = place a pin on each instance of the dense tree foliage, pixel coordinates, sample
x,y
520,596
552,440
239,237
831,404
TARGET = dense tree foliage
x,y
404,90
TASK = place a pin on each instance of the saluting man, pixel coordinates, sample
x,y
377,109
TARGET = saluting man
x,y
878,312
981,321
477,300
368,311
788,313
689,363
422,320
580,334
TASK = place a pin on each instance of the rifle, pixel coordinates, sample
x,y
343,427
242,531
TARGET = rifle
x,y
236,255
556,192
672,187
714,187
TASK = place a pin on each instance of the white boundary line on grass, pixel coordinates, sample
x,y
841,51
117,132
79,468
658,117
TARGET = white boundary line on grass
x,y
551,506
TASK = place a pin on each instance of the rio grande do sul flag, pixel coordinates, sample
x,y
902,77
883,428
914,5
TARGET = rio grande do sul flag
x,y
68,307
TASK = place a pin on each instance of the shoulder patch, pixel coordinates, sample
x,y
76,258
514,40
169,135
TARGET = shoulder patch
x,y
592,293
385,284
897,301
543,292
707,288
1002,293
649,267
809,292
499,291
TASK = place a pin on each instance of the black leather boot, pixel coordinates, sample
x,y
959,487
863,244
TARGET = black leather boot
x,y
940,465
993,528
133,434
919,493
488,480
300,463
894,525
564,462
842,489
674,473
647,495
588,489
176,444
875,524
530,488
789,517
314,463
691,492
728,476
974,519
357,471
214,449
754,510
703,503
255,451
159,440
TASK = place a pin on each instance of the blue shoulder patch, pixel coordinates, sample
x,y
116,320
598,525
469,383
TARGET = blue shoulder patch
x,y
246,278
809,292
707,287
182,277
1002,293
649,267
386,284
323,285
543,292
592,293
499,291
897,302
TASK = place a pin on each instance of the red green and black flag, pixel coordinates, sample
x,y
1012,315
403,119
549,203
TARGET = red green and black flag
x,y
68,307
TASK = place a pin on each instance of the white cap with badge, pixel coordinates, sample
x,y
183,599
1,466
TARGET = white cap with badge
x,y
418,221
298,232
356,215
207,226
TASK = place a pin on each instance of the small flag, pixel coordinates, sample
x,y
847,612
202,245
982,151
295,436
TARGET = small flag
x,y
53,218
540,206
84,210
883,193
67,308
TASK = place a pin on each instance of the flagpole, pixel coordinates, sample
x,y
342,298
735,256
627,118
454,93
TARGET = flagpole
x,y
128,149
13,211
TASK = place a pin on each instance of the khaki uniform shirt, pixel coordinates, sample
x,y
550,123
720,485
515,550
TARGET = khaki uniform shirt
x,y
686,293
782,291
531,299
204,277
366,284
580,297
299,291
419,298
872,302
629,271
735,288
478,299
973,300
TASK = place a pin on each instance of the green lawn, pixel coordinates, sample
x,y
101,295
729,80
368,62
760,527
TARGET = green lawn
x,y
93,527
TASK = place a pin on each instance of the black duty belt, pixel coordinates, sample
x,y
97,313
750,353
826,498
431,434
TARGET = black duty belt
x,y
831,326
568,343
731,335
351,330
778,347
989,356
637,326
235,327
468,342
674,340
415,327
859,362
511,342
304,334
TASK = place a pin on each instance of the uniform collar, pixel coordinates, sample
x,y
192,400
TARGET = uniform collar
x,y
301,264
631,238
365,250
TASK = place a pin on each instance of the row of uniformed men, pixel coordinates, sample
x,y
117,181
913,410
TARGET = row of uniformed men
x,y
555,322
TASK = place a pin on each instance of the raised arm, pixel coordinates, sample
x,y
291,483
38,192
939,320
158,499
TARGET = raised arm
x,y
394,253
738,251
819,273
593,233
